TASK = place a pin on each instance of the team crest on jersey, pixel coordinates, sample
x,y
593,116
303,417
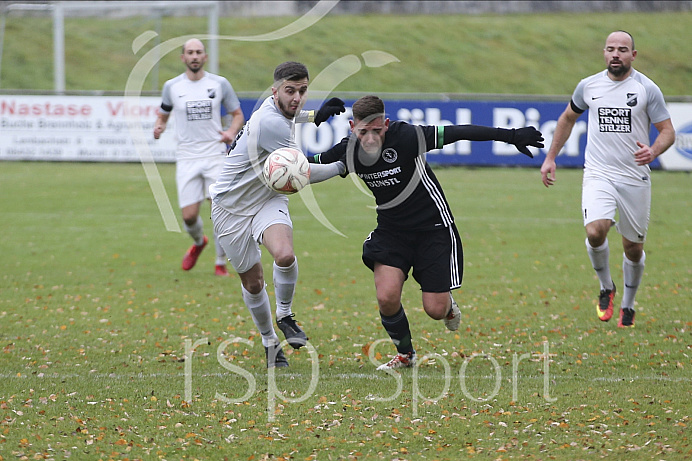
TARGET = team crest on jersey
x,y
389,155
631,99
211,92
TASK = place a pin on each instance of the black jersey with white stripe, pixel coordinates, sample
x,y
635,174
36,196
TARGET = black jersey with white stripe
x,y
407,193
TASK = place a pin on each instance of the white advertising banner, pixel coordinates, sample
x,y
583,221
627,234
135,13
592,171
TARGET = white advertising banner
x,y
82,128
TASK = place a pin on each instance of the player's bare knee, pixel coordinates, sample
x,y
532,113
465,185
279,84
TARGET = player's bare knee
x,y
253,280
436,311
284,259
388,304
253,286
596,235
190,219
633,251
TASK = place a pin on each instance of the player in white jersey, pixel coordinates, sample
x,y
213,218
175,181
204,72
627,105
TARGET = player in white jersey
x,y
195,97
247,213
622,104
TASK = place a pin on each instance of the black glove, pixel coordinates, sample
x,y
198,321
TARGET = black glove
x,y
527,136
332,107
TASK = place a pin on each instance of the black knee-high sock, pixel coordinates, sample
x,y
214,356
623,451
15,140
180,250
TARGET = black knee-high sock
x,y
398,329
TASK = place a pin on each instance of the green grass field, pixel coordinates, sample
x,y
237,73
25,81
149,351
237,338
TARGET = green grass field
x,y
98,321
96,318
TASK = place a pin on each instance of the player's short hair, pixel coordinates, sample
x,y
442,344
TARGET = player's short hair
x,y
185,44
631,38
290,70
624,32
368,107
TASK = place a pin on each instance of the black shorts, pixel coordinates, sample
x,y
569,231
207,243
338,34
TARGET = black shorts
x,y
436,255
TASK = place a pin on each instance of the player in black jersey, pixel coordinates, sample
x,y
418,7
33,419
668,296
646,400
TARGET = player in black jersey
x,y
415,227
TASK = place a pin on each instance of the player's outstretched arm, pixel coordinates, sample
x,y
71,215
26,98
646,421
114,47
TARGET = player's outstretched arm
x,y
334,154
520,137
319,173
524,137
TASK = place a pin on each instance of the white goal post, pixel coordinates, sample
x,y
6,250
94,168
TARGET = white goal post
x,y
60,9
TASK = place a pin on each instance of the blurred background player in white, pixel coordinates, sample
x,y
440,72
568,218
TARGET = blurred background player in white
x,y
247,213
195,98
622,104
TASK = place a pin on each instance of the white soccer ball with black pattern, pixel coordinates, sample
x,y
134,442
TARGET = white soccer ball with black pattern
x,y
286,170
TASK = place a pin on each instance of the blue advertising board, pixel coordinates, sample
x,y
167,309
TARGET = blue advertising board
x,y
505,114
119,129
113,128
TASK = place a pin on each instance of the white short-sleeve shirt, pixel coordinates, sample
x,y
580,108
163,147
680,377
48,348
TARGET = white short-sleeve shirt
x,y
196,108
620,114
240,188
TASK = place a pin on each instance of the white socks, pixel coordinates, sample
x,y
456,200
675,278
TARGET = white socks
x,y
285,279
260,310
632,273
196,231
600,257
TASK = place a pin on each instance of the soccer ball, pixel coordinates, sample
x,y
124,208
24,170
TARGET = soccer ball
x,y
286,170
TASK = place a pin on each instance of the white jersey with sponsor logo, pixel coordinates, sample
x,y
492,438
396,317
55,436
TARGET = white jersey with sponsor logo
x,y
240,188
620,114
196,108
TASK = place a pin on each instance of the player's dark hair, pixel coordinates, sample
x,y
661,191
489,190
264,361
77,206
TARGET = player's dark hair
x,y
368,107
290,70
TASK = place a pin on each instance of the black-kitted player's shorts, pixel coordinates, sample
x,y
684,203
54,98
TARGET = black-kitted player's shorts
x,y
436,256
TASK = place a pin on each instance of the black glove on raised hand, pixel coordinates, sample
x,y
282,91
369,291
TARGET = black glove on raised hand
x,y
527,136
332,107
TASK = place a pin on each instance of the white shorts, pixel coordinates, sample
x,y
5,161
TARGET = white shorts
x,y
193,178
600,199
240,236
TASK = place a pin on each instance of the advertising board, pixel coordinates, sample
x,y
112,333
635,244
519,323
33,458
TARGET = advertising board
x,y
119,129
